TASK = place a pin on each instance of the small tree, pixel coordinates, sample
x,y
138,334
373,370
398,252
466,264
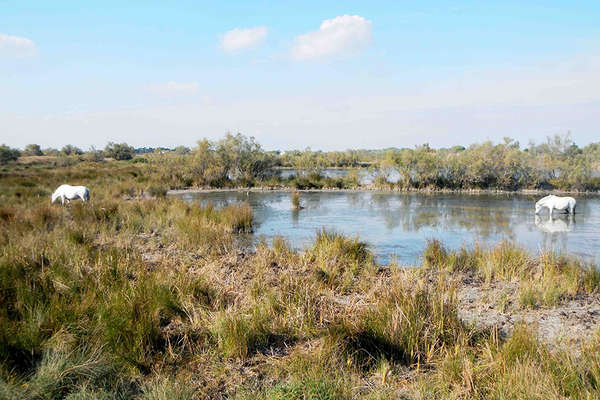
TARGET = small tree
x,y
70,150
308,162
94,155
182,150
7,154
51,151
33,150
119,151
243,157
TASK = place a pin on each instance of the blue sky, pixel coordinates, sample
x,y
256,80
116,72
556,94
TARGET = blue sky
x,y
329,75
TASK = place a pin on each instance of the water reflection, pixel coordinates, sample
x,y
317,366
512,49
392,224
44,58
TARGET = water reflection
x,y
399,224
553,225
365,176
417,212
555,232
295,216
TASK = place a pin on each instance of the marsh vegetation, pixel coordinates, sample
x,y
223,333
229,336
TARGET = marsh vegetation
x,y
138,295
240,161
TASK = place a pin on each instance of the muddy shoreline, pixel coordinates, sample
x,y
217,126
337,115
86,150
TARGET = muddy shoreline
x,y
495,305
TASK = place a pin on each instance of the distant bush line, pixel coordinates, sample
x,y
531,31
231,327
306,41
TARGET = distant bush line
x,y
240,161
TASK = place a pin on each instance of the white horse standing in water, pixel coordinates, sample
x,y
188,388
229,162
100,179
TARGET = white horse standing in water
x,y
552,202
68,192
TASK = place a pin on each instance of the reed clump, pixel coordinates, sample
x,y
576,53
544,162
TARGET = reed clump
x,y
295,200
546,280
411,323
339,260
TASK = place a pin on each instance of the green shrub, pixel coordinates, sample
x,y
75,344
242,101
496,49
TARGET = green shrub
x,y
119,151
7,154
157,191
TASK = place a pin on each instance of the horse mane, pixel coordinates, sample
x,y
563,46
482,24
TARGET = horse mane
x,y
544,199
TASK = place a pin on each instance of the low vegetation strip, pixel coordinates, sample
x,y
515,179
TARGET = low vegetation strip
x,y
151,298
237,161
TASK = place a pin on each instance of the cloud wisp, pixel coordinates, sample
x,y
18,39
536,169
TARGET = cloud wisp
x,y
174,88
15,46
343,35
239,39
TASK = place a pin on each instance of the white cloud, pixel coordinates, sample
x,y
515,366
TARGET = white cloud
x,y
241,39
15,46
174,88
346,34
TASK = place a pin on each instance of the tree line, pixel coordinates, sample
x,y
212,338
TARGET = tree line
x,y
117,151
556,164
238,160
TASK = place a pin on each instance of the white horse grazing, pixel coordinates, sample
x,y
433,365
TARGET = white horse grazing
x,y
552,202
68,192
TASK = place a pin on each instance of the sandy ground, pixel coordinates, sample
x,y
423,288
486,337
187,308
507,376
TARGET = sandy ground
x,y
496,305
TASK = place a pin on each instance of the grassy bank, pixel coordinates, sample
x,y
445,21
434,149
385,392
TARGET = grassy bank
x,y
150,298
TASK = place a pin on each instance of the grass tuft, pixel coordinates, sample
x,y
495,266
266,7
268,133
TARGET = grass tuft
x,y
295,200
339,260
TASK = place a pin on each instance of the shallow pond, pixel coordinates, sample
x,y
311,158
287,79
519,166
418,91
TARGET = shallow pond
x,y
398,225
365,176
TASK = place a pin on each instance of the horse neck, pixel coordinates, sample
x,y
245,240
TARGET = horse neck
x,y
543,201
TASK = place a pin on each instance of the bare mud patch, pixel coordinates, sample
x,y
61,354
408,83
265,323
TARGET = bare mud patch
x,y
496,306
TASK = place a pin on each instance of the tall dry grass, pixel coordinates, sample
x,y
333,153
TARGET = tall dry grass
x,y
544,280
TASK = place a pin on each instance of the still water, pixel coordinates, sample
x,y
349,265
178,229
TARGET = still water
x,y
397,225
365,176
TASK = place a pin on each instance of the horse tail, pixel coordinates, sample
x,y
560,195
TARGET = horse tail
x,y
86,194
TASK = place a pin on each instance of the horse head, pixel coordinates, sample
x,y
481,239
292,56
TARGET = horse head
x,y
542,203
539,204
